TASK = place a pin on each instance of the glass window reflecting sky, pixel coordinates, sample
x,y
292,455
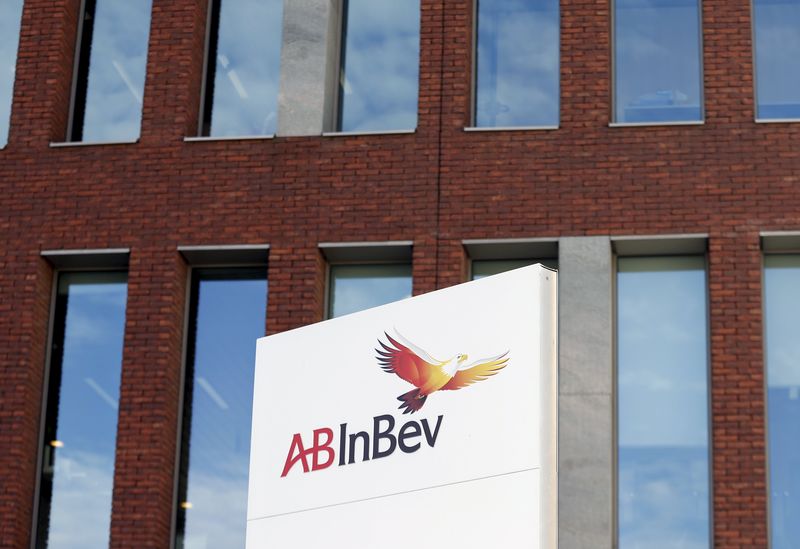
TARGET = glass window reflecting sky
x,y
10,20
489,267
244,63
228,315
662,403
517,63
777,43
82,409
782,321
357,287
114,82
380,65
657,61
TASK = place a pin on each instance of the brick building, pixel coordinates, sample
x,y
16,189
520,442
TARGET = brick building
x,y
716,179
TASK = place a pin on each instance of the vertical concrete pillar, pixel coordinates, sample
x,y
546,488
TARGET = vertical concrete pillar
x,y
585,393
309,62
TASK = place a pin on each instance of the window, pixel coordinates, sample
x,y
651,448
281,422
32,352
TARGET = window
x,y
357,287
242,68
489,267
379,77
662,403
777,44
10,20
110,71
782,323
517,72
227,314
657,61
80,429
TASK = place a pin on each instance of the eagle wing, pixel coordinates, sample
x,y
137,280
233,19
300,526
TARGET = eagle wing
x,y
476,371
400,359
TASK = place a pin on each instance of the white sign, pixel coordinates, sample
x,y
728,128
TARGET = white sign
x,y
430,422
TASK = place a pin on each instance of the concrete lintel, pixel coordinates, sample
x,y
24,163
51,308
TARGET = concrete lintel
x,y
225,255
111,258
396,251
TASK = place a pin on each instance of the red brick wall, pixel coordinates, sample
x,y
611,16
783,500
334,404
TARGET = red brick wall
x,y
730,178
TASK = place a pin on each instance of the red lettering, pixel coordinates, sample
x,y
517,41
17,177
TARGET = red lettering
x,y
297,443
298,452
319,447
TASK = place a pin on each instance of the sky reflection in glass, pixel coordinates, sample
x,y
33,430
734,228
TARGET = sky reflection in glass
x,y
489,267
517,63
782,321
379,81
229,316
354,288
246,68
662,403
10,20
81,430
115,86
657,61
777,43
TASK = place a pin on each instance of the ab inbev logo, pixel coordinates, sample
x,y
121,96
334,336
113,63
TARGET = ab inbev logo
x,y
396,355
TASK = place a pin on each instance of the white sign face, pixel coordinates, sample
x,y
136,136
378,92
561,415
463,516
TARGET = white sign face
x,y
430,422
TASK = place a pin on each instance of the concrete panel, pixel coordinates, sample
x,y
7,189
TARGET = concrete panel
x,y
585,315
309,60
585,483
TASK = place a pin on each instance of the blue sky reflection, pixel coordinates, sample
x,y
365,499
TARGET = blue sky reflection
x,y
358,287
247,68
517,64
380,66
777,43
782,321
231,316
662,384
117,65
10,20
83,475
657,61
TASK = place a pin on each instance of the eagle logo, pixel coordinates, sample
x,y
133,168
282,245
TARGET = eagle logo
x,y
414,365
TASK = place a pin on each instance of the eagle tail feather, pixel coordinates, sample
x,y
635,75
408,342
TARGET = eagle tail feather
x,y
412,401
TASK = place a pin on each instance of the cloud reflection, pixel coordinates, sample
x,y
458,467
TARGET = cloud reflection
x,y
10,19
380,65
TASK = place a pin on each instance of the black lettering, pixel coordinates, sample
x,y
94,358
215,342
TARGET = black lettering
x,y
377,435
431,438
342,441
410,430
365,439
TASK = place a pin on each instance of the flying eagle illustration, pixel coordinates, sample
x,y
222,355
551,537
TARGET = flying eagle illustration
x,y
428,374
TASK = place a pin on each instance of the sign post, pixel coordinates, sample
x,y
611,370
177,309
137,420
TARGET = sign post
x,y
429,422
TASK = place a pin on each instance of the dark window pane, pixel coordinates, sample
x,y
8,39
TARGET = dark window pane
x,y
489,267
782,320
244,67
662,403
357,287
380,65
10,19
117,32
777,43
228,315
81,425
517,64
657,61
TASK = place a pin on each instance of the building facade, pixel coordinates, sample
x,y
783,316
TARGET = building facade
x,y
648,149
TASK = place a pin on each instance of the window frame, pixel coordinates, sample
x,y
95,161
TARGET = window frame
x,y
663,248
337,103
613,103
66,262
236,256
754,55
330,265
473,98
772,244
